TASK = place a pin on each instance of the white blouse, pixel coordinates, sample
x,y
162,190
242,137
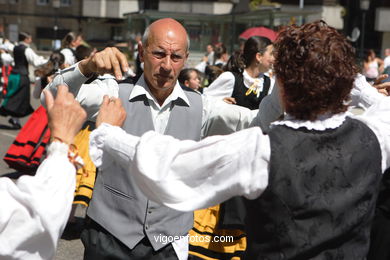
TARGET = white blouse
x,y
70,59
35,209
223,86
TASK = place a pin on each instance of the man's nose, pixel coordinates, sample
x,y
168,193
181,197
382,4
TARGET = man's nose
x,y
166,63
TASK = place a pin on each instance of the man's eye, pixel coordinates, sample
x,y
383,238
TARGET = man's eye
x,y
176,57
158,55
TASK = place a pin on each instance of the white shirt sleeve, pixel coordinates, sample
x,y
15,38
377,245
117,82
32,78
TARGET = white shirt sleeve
x,y
35,209
188,175
221,118
363,94
201,66
33,58
7,59
221,87
377,119
89,95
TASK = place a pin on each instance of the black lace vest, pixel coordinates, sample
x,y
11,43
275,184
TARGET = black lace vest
x,y
321,197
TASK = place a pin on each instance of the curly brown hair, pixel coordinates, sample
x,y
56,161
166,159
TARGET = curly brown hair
x,y
316,67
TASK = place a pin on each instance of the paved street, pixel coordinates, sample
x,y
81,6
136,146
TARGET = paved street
x,y
69,248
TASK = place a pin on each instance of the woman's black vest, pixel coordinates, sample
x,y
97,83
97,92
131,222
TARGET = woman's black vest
x,y
320,201
21,63
251,101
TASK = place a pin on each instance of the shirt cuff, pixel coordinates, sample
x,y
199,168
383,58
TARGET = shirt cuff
x,y
57,149
96,143
112,140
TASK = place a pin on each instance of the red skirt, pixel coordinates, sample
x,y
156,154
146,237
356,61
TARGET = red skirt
x,y
26,152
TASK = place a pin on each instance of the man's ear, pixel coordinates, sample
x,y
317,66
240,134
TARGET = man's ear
x,y
141,51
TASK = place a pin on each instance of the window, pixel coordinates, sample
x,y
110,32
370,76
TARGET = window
x,y
13,1
42,2
66,2
116,33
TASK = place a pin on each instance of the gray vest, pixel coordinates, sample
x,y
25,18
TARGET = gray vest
x,y
118,204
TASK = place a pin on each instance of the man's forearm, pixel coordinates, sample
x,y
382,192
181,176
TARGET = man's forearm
x,y
72,77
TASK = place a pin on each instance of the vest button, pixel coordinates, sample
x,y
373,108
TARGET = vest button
x,y
149,212
146,227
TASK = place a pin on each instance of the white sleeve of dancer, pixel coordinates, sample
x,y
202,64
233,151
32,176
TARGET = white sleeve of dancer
x,y
34,59
35,209
377,119
188,175
363,94
201,66
221,87
221,118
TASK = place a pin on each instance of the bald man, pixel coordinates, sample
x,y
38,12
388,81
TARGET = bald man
x,y
122,222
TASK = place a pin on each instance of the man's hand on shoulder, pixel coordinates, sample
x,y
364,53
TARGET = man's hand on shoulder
x,y
111,112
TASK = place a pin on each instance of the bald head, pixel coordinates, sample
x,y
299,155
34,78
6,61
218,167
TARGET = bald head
x,y
165,26
387,52
164,52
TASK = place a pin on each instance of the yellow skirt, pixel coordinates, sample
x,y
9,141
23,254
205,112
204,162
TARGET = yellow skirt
x,y
208,242
85,178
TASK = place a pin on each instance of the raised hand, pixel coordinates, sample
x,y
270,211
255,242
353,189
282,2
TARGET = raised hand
x,y
110,60
66,116
111,112
383,88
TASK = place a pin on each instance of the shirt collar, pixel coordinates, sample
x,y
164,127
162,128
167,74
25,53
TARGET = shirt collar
x,y
26,44
248,80
322,123
141,88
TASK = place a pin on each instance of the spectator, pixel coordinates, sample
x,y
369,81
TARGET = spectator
x,y
386,64
372,66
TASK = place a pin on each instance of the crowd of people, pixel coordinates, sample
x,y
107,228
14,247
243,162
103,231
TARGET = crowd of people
x,y
269,152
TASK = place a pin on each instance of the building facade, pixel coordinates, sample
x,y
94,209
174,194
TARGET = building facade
x,y
111,21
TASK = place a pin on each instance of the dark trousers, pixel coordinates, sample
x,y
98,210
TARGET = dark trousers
x,y
380,236
101,245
